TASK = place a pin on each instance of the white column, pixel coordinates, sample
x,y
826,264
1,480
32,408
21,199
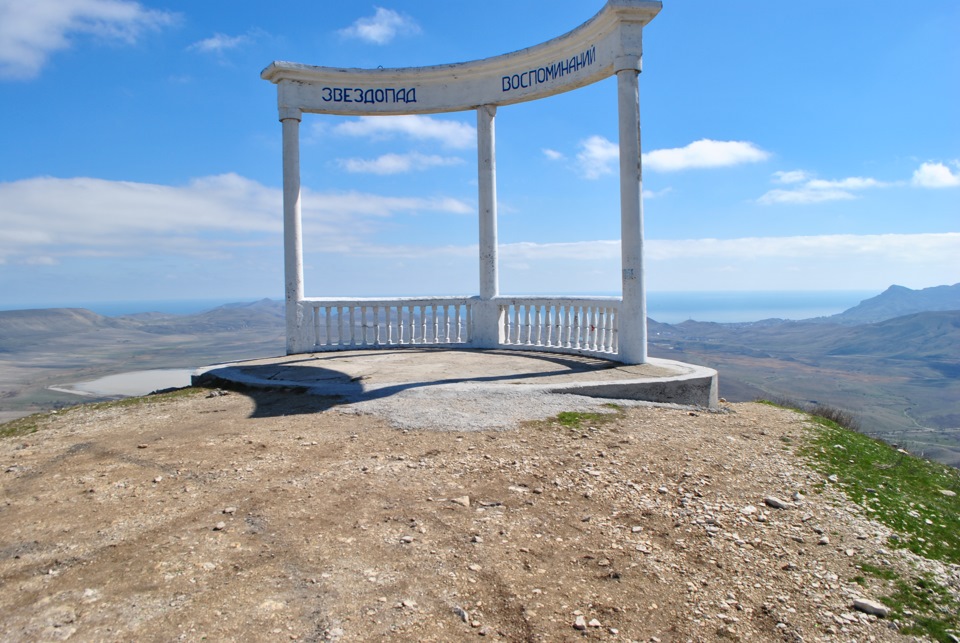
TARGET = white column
x,y
292,235
487,327
633,310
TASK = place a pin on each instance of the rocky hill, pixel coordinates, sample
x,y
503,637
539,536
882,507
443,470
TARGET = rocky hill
x,y
270,516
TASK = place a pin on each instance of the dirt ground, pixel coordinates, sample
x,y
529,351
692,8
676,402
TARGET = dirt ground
x,y
289,517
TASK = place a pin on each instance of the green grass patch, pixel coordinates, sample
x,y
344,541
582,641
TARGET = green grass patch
x,y
578,419
22,426
879,572
900,490
37,421
897,489
904,492
924,607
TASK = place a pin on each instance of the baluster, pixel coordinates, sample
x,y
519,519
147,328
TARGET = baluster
x,y
537,323
526,329
362,313
423,324
578,326
326,325
316,327
352,326
457,320
584,335
552,329
436,322
615,333
612,329
505,322
607,328
593,320
389,316
602,329
560,326
469,323
339,311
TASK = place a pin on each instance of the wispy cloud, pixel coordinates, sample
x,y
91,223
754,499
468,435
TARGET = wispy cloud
x,y
704,153
219,43
398,163
382,27
450,133
83,216
30,32
810,190
792,176
936,175
553,155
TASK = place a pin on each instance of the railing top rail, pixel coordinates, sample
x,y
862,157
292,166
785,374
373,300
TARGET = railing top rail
x,y
382,301
549,299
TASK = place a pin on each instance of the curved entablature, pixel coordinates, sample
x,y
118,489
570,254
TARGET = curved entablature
x,y
609,42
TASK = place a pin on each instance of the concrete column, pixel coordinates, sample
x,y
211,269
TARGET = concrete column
x,y
292,234
633,310
486,331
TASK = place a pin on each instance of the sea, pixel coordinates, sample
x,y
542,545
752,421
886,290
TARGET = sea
x,y
665,307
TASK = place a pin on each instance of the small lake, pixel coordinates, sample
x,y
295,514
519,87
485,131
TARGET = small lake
x,y
130,384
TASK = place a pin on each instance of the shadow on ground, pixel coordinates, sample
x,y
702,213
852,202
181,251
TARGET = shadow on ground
x,y
302,385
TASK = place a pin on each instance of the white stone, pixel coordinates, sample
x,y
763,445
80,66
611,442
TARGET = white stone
x,y
871,607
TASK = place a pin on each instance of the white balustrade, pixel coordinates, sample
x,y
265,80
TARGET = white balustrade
x,y
578,325
342,324
582,325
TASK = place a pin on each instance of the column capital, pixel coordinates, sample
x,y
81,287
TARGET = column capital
x,y
627,62
290,112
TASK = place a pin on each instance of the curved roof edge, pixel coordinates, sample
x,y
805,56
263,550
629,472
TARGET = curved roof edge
x,y
608,42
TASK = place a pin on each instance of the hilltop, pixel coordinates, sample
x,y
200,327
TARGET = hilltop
x,y
898,374
246,517
897,301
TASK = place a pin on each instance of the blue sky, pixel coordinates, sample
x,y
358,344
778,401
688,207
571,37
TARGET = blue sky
x,y
787,146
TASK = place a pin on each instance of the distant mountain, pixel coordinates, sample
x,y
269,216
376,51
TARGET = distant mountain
x,y
264,314
20,328
930,336
897,301
24,327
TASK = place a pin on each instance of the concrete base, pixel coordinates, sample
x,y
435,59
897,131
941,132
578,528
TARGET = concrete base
x,y
367,374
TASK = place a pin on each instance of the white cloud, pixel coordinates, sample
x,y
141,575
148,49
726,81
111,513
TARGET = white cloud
x,y
813,190
704,153
94,217
935,175
398,163
654,194
382,27
850,183
218,43
450,133
794,176
804,195
32,30
553,155
597,156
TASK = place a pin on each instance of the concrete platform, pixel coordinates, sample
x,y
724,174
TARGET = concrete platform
x,y
369,374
